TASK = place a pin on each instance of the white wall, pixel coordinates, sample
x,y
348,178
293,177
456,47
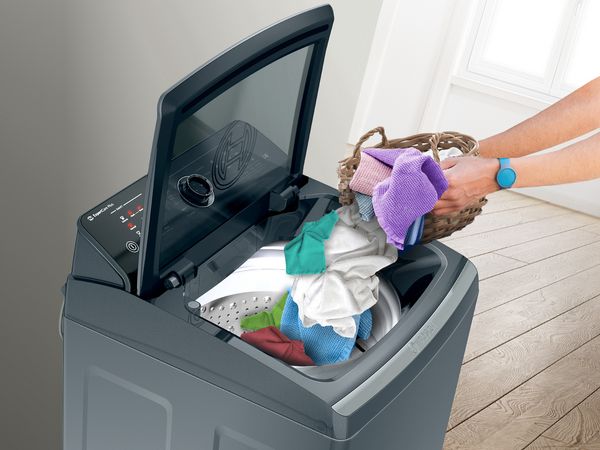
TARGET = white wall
x,y
407,47
33,226
123,55
476,113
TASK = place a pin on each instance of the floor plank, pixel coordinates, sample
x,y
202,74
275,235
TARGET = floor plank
x,y
487,378
504,194
492,264
516,419
593,228
539,249
492,241
499,325
579,429
503,219
515,201
510,285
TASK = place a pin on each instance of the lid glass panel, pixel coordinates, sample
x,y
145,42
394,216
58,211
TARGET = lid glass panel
x,y
232,151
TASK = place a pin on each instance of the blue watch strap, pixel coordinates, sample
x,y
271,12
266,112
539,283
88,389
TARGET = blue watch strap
x,y
506,175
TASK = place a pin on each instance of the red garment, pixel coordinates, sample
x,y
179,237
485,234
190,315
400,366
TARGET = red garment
x,y
273,342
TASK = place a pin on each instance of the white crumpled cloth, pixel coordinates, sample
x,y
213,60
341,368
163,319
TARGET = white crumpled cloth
x,y
446,153
354,252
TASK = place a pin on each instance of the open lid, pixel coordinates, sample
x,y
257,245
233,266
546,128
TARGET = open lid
x,y
227,136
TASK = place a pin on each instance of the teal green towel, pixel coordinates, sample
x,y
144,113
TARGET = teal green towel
x,y
265,319
305,254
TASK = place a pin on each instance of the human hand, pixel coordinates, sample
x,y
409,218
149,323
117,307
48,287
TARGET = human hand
x,y
469,179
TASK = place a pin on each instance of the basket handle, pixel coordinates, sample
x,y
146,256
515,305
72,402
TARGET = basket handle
x,y
434,142
365,137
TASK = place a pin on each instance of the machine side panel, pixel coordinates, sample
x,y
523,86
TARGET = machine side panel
x,y
119,398
417,418
201,349
121,414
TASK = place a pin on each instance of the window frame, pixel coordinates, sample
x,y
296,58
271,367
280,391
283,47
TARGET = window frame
x,y
547,89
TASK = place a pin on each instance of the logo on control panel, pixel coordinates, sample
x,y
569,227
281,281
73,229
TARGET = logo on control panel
x,y
133,247
233,154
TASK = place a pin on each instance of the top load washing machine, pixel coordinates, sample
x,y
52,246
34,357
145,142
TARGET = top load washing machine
x,y
148,366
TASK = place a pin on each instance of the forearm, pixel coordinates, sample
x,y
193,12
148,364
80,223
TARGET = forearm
x,y
576,114
577,162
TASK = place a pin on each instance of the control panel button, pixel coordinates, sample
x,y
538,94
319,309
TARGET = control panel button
x,y
196,190
133,247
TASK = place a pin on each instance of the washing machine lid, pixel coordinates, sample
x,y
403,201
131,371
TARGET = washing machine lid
x,y
227,137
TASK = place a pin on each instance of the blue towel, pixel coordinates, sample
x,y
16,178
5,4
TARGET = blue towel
x,y
421,226
323,344
365,325
414,232
410,235
365,206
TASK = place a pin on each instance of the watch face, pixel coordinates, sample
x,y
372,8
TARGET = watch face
x,y
506,177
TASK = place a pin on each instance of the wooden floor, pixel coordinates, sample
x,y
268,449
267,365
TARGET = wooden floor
x,y
531,373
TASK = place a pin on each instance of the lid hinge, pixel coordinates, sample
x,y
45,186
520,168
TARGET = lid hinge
x,y
183,271
286,199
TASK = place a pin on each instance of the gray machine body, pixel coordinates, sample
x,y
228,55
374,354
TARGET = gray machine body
x,y
142,371
119,397
142,376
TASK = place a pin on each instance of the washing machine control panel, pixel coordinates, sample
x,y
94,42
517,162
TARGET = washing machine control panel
x,y
116,225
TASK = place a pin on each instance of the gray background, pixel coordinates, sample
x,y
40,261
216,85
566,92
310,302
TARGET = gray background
x,y
79,82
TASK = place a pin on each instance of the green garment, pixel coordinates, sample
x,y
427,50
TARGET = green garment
x,y
265,319
305,254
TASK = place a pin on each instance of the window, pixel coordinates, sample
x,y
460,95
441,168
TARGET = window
x,y
535,46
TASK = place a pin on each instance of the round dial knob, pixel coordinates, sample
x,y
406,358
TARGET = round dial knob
x,y
196,190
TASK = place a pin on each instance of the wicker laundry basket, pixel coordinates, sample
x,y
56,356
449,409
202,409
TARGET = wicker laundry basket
x,y
436,227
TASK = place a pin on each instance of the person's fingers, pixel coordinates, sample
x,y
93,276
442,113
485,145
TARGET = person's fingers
x,y
451,195
448,163
444,204
448,208
449,205
444,211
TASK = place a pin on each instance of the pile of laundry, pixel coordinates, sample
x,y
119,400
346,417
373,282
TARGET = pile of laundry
x,y
334,260
318,320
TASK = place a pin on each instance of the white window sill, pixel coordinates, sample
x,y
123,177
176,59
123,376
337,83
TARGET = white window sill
x,y
503,90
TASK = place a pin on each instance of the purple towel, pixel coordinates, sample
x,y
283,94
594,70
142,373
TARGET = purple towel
x,y
416,184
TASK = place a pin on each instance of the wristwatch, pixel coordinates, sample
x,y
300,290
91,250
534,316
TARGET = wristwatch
x,y
506,175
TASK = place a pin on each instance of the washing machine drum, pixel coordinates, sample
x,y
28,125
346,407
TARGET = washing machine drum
x,y
259,283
